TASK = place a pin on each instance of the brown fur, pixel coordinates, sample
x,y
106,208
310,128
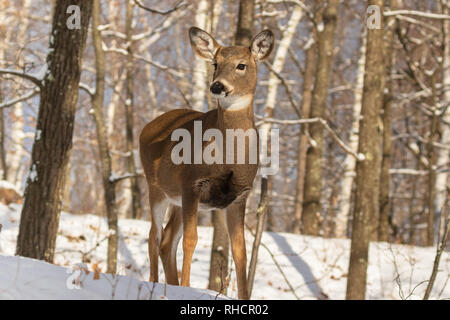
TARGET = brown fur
x,y
201,186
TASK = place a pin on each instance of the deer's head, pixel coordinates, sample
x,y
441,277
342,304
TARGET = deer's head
x,y
235,67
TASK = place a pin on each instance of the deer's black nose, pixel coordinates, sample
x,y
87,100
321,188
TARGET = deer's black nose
x,y
217,87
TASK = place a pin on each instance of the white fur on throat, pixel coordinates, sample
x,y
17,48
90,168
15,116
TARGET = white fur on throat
x,y
235,103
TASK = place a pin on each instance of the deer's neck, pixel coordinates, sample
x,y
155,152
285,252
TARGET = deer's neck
x,y
237,115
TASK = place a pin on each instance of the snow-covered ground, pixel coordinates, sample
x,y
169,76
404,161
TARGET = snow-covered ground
x,y
315,268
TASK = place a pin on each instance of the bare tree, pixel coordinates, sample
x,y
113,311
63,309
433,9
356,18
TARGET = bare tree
x,y
272,89
368,171
53,142
308,85
383,234
129,116
314,157
345,194
103,148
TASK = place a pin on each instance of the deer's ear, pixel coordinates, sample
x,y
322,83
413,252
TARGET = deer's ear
x,y
262,45
203,43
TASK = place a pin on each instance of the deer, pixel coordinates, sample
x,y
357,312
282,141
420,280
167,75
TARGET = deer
x,y
178,191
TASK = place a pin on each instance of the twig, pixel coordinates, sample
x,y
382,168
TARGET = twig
x,y
357,156
422,14
114,179
180,4
286,87
277,265
157,65
23,75
26,96
90,91
439,251
261,214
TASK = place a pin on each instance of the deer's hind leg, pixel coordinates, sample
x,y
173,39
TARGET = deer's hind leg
x,y
171,237
158,206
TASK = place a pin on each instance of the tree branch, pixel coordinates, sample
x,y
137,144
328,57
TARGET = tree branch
x,y
90,91
26,96
286,87
334,136
179,5
422,14
23,75
115,179
157,65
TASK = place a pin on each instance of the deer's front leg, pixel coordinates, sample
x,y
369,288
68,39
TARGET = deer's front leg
x,y
189,209
235,224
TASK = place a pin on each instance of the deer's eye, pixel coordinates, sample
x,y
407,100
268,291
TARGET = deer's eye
x,y
215,65
241,66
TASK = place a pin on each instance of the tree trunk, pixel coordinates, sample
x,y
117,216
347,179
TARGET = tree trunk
x,y
246,15
367,171
2,143
51,149
383,234
313,180
345,195
105,157
129,106
308,85
432,160
218,269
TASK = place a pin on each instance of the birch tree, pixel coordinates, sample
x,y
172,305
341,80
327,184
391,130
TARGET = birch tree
x,y
342,215
272,89
200,70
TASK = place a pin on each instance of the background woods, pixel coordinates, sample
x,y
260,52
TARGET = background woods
x,y
363,114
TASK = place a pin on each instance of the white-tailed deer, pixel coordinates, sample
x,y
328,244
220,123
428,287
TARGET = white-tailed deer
x,y
186,187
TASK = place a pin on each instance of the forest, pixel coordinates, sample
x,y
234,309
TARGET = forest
x,y
358,92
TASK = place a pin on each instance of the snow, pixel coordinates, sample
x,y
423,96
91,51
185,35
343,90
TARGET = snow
x,y
33,173
320,27
315,267
8,185
38,134
42,72
24,278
